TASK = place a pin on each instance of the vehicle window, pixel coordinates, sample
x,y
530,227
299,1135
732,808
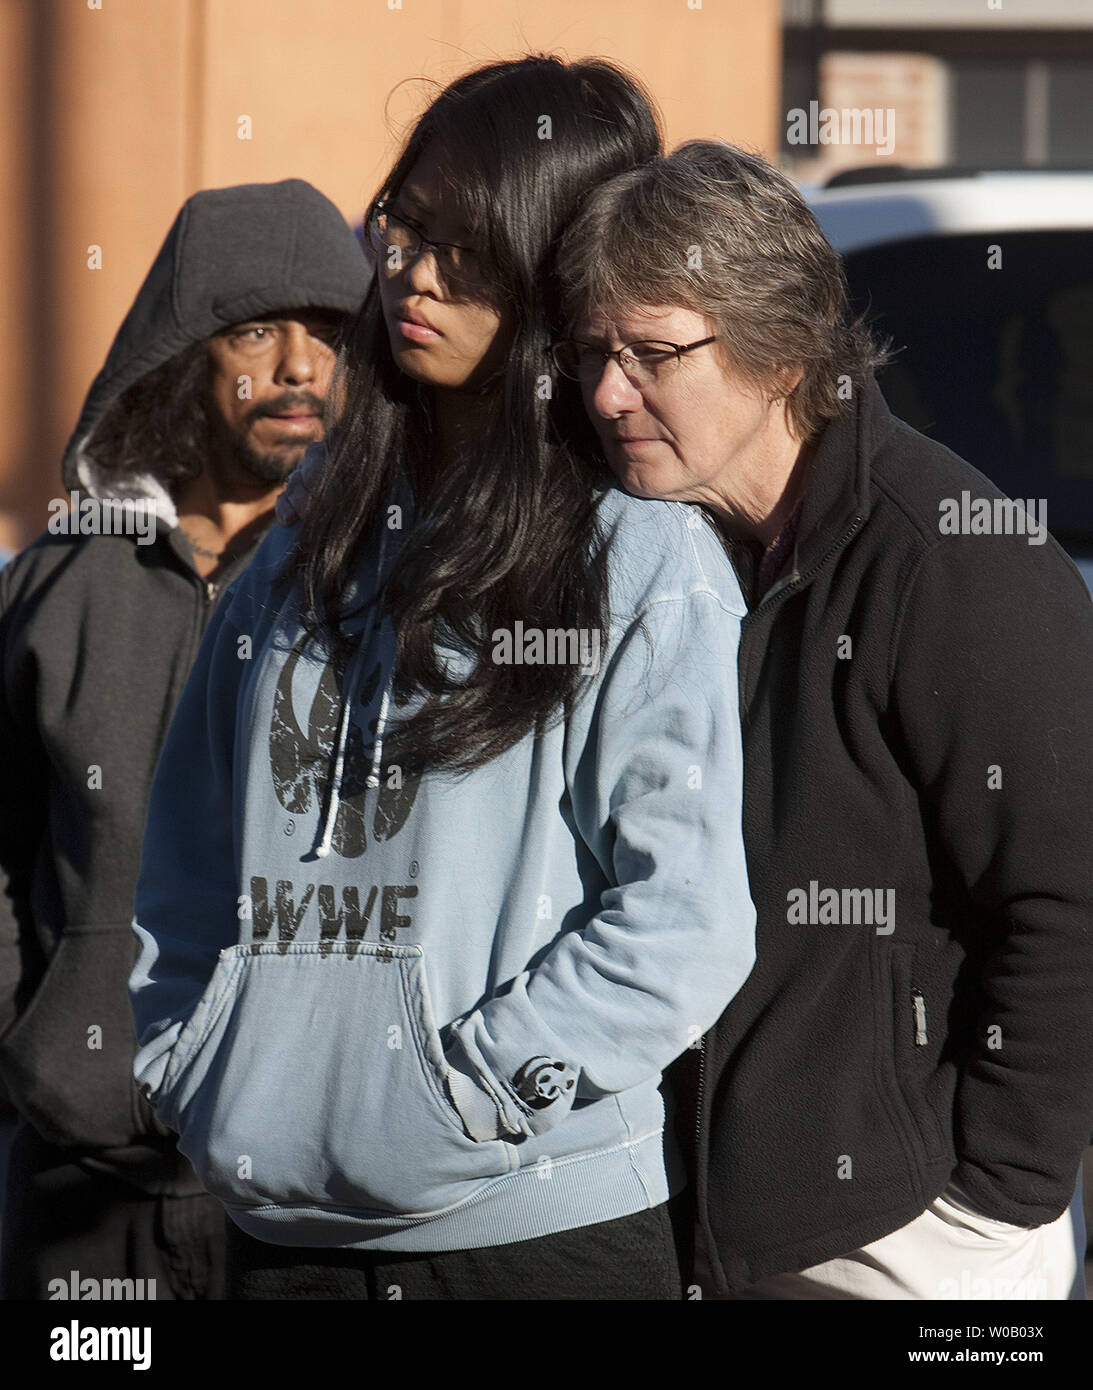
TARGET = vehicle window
x,y
997,364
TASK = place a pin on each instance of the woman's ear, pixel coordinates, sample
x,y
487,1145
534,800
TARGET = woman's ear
x,y
788,379
782,384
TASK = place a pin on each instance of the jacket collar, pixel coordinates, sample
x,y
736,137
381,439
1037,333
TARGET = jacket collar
x,y
838,488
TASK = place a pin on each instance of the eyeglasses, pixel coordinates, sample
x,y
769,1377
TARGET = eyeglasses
x,y
454,262
641,362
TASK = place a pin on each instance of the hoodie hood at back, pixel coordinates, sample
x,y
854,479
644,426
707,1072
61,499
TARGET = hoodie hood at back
x,y
231,254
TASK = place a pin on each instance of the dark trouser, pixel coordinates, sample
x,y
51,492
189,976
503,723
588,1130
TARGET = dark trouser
x,y
59,1218
633,1258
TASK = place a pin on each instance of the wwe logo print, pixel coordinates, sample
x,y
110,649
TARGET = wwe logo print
x,y
302,764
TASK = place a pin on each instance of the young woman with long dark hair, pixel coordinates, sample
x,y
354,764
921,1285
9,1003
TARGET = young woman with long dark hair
x,y
443,863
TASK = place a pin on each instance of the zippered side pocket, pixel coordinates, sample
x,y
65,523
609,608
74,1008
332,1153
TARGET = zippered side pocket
x,y
918,1004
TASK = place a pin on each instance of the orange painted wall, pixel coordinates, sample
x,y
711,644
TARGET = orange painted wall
x,y
113,111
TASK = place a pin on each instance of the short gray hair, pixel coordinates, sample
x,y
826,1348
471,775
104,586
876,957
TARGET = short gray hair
x,y
719,231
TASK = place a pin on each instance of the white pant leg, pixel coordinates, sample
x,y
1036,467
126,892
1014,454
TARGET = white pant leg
x,y
950,1252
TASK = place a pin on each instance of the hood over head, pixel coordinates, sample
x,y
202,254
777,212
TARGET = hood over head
x,y
231,254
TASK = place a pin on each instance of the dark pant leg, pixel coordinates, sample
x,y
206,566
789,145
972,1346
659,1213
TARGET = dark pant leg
x,y
58,1218
190,1235
633,1258
259,1270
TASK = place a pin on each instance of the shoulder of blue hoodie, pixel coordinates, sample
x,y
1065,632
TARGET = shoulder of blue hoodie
x,y
653,769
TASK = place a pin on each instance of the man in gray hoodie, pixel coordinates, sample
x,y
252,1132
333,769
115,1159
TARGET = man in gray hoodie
x,y
215,384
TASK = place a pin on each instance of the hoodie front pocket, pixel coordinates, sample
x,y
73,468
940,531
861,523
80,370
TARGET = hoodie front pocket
x,y
313,1074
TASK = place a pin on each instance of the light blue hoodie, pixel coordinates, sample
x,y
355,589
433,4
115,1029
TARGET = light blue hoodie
x,y
433,1014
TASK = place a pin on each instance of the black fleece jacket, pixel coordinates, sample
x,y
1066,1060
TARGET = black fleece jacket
x,y
918,719
97,636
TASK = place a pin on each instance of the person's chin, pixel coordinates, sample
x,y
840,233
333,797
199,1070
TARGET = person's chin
x,y
274,470
413,359
274,465
445,376
634,479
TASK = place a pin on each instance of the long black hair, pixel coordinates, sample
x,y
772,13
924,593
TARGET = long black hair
x,y
507,532
158,425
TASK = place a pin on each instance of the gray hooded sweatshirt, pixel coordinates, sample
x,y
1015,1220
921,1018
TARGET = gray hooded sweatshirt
x,y
97,636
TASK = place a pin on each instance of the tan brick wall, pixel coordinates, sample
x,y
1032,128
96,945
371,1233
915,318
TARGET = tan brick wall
x,y
912,86
118,113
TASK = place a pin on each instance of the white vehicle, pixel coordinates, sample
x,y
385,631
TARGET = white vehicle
x,y
984,282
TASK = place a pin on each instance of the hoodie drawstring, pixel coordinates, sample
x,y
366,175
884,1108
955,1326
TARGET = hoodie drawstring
x,y
322,849
381,723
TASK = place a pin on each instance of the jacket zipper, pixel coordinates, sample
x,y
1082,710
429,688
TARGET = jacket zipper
x,y
698,1092
787,585
918,1003
784,586
700,1214
780,589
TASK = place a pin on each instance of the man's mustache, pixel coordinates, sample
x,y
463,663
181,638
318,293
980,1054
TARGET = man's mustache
x,y
296,403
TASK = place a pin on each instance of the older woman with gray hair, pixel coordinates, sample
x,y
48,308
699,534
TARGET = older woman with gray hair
x,y
895,1104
